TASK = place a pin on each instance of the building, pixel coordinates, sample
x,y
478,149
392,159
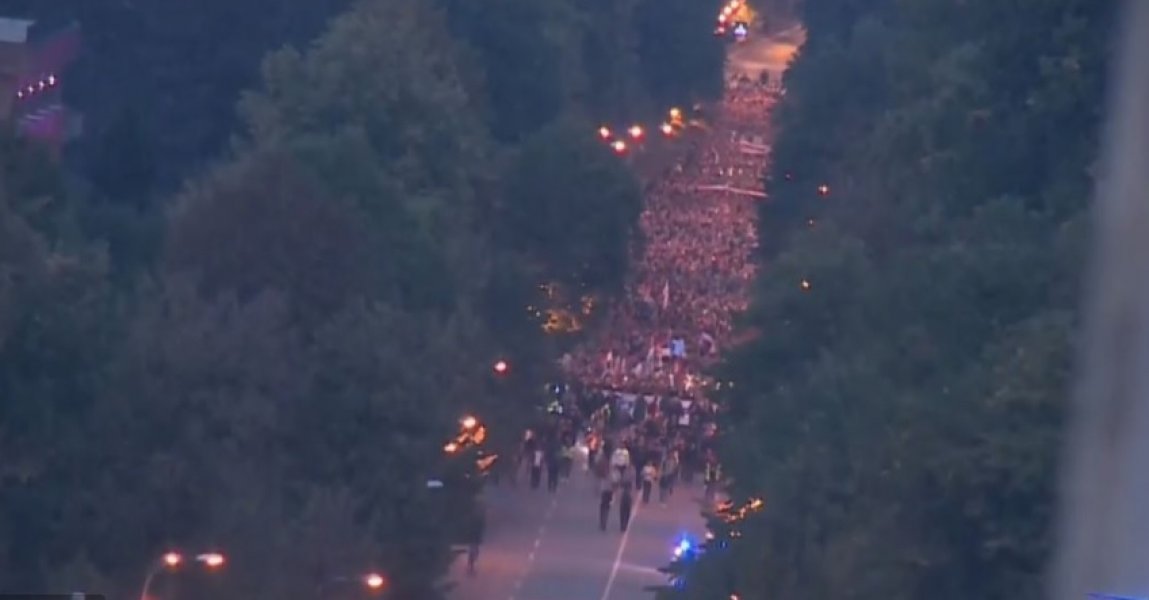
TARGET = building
x,y
33,66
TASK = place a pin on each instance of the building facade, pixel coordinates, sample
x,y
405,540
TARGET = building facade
x,y
33,66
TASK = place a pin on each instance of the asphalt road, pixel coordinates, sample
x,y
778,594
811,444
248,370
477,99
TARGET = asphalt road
x,y
543,546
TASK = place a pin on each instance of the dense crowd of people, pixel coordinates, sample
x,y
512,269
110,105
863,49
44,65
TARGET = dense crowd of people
x,y
692,270
639,399
637,394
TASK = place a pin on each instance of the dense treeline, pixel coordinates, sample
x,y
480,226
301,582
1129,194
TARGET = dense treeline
x,y
268,360
902,416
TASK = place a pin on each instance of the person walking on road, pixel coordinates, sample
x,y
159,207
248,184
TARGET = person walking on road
x,y
476,529
625,506
605,497
649,477
668,473
554,468
537,458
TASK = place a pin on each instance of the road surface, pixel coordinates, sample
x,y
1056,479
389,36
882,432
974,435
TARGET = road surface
x,y
543,546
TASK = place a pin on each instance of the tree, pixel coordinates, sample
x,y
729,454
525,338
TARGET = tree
x,y
265,224
909,399
571,207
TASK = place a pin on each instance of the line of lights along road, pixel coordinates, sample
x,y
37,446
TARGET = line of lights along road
x,y
636,134
45,83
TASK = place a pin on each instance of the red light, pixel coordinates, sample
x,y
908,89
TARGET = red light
x,y
501,367
823,190
604,133
619,146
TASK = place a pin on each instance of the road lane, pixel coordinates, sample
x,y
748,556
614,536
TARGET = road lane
x,y
548,547
653,536
516,519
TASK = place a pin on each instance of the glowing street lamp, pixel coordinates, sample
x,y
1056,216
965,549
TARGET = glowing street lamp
x,y
468,422
667,129
501,367
604,132
171,561
805,285
635,131
374,581
619,146
451,448
823,190
213,560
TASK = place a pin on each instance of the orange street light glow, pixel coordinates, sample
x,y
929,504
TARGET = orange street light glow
x,y
212,559
374,581
469,422
676,113
451,448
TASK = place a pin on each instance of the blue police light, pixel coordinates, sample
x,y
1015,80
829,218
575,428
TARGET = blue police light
x,y
682,548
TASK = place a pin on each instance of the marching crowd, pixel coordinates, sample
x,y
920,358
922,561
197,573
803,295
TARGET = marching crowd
x,y
640,393
692,272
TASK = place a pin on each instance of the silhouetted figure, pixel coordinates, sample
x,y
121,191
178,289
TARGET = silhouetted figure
x,y
605,496
536,469
625,505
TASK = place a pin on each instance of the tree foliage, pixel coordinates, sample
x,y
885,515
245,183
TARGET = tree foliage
x,y
902,416
268,360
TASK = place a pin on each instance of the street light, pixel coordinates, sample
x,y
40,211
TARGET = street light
x,y
604,132
805,285
619,146
372,581
170,561
451,448
468,422
823,190
667,129
501,367
635,131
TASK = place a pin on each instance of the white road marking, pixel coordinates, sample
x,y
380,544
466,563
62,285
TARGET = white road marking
x,y
618,557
